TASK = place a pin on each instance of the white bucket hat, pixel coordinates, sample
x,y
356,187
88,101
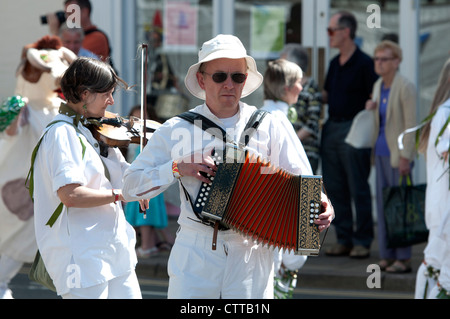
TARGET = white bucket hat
x,y
223,46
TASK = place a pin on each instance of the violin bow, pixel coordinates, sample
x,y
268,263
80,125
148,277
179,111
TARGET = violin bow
x,y
144,66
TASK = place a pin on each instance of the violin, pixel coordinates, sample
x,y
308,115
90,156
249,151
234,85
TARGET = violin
x,y
116,131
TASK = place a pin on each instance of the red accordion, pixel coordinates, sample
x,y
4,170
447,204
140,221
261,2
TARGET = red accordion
x,y
264,203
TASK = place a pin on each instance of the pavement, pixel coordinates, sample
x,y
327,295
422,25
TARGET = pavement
x,y
321,272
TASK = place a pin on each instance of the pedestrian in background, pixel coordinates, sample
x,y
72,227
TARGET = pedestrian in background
x,y
155,221
305,113
346,169
394,103
282,87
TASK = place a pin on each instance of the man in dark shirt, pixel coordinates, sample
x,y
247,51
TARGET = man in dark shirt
x,y
346,169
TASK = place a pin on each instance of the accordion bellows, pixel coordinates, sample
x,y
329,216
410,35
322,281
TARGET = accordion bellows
x,y
264,203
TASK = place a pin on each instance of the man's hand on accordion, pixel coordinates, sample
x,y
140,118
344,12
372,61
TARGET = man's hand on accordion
x,y
327,215
198,165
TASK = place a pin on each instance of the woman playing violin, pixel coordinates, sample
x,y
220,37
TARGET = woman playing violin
x,y
89,250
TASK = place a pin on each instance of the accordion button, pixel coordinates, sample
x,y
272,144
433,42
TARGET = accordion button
x,y
312,210
316,216
312,204
312,216
317,204
311,221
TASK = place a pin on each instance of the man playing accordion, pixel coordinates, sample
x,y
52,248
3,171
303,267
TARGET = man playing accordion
x,y
179,151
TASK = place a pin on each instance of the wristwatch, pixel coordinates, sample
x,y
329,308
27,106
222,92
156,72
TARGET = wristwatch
x,y
116,194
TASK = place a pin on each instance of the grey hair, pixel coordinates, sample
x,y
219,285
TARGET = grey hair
x,y
280,74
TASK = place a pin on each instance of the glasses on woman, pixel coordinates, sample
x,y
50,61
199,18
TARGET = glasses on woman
x,y
382,59
332,31
220,77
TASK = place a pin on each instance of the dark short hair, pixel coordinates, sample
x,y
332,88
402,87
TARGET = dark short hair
x,y
89,74
295,52
348,20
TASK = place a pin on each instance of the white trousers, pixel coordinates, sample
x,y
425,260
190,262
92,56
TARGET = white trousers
x,y
237,269
424,284
9,268
123,287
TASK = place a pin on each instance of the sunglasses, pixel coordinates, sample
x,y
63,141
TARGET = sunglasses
x,y
382,59
332,31
220,77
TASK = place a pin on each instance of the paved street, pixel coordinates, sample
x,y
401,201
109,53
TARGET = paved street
x,y
153,288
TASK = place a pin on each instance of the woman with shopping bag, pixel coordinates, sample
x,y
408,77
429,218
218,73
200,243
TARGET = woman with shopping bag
x,y
395,106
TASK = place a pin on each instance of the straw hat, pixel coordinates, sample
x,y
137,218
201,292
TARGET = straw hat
x,y
223,46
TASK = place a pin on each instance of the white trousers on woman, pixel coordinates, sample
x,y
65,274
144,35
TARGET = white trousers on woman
x,y
237,269
122,287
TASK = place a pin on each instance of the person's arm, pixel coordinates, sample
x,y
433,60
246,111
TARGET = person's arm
x,y
151,172
75,195
188,166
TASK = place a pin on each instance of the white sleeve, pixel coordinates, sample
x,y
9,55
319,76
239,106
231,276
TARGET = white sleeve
x,y
151,172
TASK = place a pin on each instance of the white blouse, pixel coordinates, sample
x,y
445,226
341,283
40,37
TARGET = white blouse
x,y
86,246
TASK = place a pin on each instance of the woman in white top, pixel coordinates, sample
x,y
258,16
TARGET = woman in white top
x,y
282,86
434,142
89,251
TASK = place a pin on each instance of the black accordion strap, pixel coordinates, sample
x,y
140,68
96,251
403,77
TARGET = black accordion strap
x,y
203,122
252,126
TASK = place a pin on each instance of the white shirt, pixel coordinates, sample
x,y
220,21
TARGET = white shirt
x,y
279,110
151,172
86,246
437,202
